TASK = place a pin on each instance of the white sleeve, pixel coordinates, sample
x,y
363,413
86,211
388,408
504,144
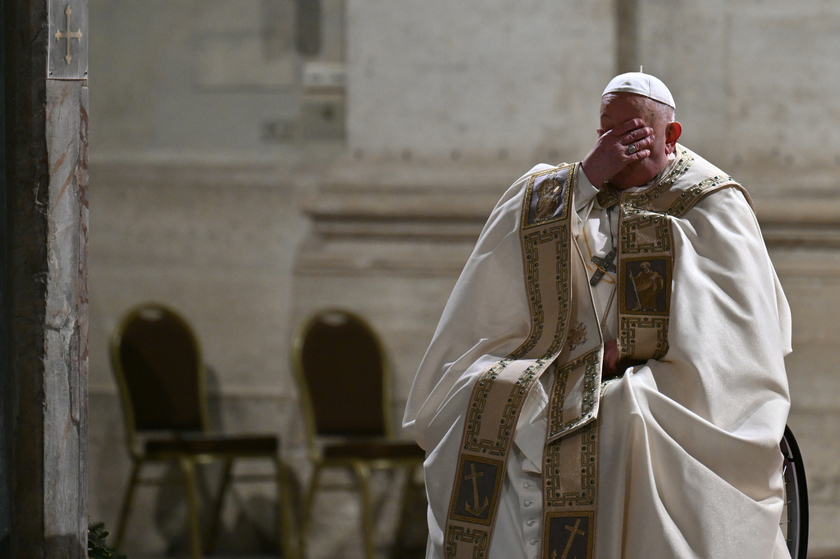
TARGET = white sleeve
x,y
585,192
486,318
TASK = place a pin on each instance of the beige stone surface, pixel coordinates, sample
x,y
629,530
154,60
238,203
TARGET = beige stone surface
x,y
811,279
446,104
487,80
216,249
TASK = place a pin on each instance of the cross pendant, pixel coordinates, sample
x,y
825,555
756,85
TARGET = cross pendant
x,y
605,264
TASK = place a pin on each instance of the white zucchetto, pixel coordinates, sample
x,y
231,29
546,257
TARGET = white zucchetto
x,y
641,84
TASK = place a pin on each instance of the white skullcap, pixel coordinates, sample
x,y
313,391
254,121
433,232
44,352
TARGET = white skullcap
x,y
641,84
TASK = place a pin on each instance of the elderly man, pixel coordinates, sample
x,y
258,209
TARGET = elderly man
x,y
565,410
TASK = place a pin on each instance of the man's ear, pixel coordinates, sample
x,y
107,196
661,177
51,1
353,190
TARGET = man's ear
x,y
673,130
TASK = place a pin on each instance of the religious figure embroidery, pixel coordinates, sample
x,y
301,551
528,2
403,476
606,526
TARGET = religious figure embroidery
x,y
647,285
550,197
547,196
577,335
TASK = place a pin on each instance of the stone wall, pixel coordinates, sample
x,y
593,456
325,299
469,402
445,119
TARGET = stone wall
x,y
216,201
215,245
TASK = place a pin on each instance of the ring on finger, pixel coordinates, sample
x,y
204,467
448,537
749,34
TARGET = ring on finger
x,y
632,149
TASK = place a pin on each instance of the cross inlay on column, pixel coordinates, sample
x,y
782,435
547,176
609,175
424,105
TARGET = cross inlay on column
x,y
59,35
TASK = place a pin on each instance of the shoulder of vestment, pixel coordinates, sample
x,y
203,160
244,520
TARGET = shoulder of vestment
x,y
690,179
539,168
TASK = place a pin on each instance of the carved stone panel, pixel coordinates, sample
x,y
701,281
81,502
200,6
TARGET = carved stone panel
x,y
68,40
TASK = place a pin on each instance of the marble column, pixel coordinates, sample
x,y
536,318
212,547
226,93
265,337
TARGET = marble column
x,y
46,265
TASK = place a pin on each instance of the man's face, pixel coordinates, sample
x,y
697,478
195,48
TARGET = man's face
x,y
621,107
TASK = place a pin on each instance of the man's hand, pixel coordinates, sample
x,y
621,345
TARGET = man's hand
x,y
610,360
610,154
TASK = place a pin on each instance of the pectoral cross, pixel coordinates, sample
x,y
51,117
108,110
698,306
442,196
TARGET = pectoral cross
x,y
605,264
478,509
59,35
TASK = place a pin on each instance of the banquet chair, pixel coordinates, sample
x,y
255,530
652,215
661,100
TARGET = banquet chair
x,y
344,383
795,517
156,359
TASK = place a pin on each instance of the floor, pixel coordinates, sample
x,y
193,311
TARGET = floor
x,y
335,532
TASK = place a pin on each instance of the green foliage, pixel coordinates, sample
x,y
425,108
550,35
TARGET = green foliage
x,y
97,548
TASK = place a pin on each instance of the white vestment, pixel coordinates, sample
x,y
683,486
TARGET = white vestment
x,y
689,444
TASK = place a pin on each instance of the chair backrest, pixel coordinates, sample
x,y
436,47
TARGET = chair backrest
x,y
795,523
157,363
342,376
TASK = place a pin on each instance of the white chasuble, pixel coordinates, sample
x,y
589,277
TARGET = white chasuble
x,y
689,462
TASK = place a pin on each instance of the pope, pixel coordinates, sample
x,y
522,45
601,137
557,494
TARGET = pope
x,y
607,379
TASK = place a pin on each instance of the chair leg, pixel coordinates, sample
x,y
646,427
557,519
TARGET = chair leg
x,y
404,505
308,505
290,539
188,469
409,499
363,475
213,534
126,504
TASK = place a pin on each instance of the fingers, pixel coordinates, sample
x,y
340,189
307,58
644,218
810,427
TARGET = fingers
x,y
631,137
627,126
636,150
641,154
637,134
628,142
633,131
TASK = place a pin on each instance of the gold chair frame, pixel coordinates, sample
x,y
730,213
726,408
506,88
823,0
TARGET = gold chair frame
x,y
191,449
383,453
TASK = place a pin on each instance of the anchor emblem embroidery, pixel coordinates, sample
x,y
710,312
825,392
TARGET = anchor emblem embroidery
x,y
476,510
478,483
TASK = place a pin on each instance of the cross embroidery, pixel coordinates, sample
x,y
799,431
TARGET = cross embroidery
x,y
574,532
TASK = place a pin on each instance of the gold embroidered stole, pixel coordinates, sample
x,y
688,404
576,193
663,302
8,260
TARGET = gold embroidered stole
x,y
562,320
646,254
570,455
